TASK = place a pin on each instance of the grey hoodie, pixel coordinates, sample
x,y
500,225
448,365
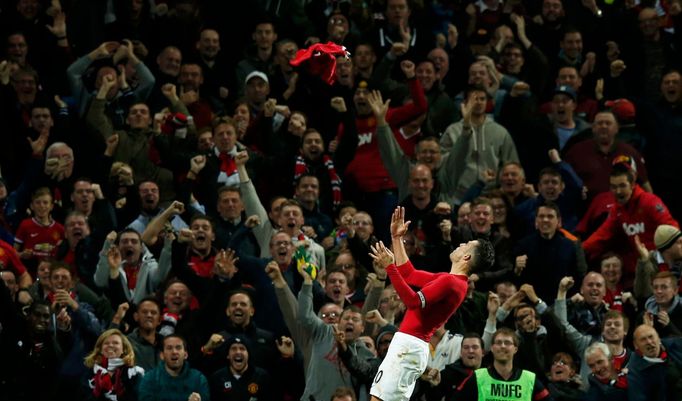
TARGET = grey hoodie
x,y
482,148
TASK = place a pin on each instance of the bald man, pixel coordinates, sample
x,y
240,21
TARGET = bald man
x,y
655,370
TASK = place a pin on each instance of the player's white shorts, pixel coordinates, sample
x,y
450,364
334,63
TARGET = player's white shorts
x,y
404,363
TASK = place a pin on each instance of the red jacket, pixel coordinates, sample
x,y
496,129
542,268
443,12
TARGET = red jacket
x,y
366,169
641,215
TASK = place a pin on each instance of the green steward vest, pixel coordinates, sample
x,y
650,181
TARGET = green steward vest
x,y
491,389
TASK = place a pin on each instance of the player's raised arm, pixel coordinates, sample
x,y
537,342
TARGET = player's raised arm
x,y
398,230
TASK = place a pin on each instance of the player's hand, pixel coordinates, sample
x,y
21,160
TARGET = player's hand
x,y
398,225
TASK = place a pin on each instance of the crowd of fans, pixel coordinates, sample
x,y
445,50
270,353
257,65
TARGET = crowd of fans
x,y
187,215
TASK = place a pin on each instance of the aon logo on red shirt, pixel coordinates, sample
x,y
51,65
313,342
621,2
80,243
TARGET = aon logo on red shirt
x,y
364,139
633,229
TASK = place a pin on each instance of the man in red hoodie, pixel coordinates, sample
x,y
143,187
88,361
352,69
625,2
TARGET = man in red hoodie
x,y
365,171
636,213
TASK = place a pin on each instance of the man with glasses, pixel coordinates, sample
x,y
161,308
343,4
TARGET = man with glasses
x,y
503,380
325,372
276,281
356,276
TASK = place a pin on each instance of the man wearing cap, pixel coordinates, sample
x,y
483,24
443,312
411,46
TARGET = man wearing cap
x,y
635,214
666,257
256,90
585,107
536,134
668,241
592,158
240,379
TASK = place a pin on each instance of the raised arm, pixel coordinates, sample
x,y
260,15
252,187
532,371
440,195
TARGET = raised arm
x,y
154,228
96,117
384,257
398,230
579,340
307,320
252,203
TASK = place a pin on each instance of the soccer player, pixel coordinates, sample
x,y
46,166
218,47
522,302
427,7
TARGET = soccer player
x,y
427,309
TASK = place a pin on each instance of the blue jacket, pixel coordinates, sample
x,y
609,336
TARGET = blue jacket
x,y
158,385
650,381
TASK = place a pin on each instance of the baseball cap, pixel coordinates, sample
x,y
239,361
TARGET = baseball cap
x,y
623,109
258,74
566,90
625,161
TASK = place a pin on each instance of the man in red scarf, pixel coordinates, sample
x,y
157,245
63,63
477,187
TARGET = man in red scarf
x,y
217,167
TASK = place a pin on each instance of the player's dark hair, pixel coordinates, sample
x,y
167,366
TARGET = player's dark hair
x,y
484,256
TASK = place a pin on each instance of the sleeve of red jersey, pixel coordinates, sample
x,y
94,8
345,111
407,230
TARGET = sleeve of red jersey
x,y
397,116
16,263
443,286
411,299
597,242
412,276
661,214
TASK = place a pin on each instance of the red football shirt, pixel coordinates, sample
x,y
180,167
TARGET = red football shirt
x,y
41,239
429,308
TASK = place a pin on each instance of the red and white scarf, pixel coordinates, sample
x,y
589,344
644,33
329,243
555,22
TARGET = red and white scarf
x,y
302,168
